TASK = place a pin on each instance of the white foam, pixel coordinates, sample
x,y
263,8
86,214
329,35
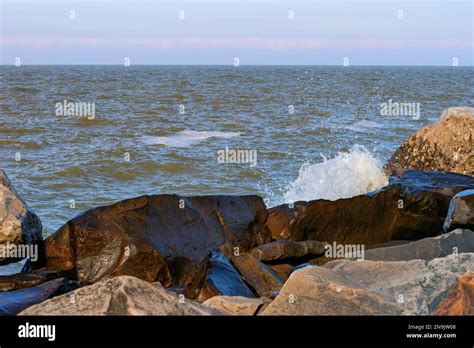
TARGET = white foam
x,y
346,175
187,138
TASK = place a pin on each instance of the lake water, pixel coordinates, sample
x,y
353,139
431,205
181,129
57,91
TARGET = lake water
x,y
317,132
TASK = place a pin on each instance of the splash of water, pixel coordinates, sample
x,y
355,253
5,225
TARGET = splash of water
x,y
187,138
346,175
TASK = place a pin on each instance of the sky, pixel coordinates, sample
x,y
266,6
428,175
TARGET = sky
x,y
318,32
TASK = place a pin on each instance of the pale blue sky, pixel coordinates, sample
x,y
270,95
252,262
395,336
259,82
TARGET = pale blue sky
x,y
258,32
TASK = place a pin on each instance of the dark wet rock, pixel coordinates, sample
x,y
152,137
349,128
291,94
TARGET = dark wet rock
x,y
284,249
457,241
123,295
12,302
413,206
19,225
444,146
461,211
459,300
217,276
257,275
141,236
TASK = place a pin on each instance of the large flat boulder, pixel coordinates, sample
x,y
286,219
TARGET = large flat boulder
x,y
12,302
413,206
444,146
461,211
346,287
20,227
143,235
123,295
457,241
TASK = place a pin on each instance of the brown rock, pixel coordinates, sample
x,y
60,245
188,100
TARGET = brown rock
x,y
19,281
460,298
283,270
284,249
259,276
136,236
411,207
444,146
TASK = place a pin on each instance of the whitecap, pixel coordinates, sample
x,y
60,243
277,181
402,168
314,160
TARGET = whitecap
x,y
346,175
187,138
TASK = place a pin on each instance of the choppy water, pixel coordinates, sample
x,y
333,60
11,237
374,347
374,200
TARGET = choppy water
x,y
66,158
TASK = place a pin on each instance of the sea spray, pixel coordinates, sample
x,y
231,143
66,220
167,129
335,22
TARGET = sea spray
x,y
346,175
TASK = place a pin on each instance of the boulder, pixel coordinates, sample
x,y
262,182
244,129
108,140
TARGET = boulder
x,y
236,305
345,287
283,270
413,206
257,275
19,225
457,241
460,298
12,302
217,276
141,236
444,146
288,249
122,295
461,211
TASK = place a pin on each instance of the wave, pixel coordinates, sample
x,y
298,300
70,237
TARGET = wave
x,y
346,175
187,138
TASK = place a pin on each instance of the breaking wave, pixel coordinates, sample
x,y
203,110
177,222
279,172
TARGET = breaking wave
x,y
346,175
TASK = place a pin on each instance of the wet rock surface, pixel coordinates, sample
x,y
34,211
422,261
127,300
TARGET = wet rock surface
x,y
413,206
19,225
140,236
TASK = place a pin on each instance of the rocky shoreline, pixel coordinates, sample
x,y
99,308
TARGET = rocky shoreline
x,y
405,249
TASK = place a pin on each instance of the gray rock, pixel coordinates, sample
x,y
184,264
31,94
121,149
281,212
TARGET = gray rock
x,y
345,287
236,305
124,295
461,211
283,249
457,241
18,224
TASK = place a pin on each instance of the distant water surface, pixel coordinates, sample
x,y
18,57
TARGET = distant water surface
x,y
332,146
